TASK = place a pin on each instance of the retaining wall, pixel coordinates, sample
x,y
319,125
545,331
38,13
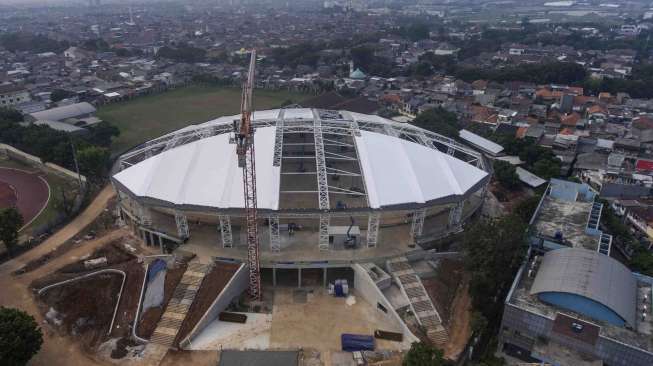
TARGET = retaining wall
x,y
367,289
238,283
36,162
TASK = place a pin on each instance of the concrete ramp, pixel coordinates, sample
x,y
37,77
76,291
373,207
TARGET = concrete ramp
x,y
177,309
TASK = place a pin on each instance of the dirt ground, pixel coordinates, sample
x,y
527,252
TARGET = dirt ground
x,y
319,322
56,350
195,358
443,287
84,308
460,326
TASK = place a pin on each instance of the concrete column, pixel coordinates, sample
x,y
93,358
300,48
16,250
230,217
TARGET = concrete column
x,y
161,244
299,277
274,276
324,277
152,238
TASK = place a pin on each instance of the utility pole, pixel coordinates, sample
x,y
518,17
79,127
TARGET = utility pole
x,y
79,175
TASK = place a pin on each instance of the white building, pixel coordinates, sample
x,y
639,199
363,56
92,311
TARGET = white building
x,y
11,95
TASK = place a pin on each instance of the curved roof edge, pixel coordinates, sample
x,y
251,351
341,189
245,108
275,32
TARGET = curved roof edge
x,y
591,275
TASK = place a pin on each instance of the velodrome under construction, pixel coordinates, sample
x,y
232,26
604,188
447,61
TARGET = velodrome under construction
x,y
334,187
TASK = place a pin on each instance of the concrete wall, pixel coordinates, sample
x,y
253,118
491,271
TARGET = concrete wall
x,y
234,288
36,162
367,289
524,329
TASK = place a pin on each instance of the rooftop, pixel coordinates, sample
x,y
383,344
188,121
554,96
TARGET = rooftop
x,y
522,297
204,173
567,218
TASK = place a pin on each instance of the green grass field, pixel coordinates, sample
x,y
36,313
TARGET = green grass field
x,y
147,117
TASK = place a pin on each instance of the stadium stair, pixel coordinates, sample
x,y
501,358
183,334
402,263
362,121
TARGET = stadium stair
x,y
183,296
420,302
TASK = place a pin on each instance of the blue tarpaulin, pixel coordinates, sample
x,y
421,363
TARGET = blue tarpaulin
x,y
156,278
357,342
155,267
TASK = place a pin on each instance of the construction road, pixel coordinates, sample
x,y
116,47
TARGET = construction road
x,y
56,350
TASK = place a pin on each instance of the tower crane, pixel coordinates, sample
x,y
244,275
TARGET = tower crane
x,y
244,139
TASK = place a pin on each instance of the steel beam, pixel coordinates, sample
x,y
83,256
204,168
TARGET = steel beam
x,y
225,231
278,144
320,162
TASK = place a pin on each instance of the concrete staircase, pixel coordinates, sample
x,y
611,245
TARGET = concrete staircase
x,y
176,310
420,302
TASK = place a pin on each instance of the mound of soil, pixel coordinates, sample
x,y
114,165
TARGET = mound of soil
x,y
443,286
211,287
84,308
114,252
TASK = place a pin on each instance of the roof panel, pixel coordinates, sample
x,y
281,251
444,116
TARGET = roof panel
x,y
298,113
481,142
206,173
418,174
589,274
269,114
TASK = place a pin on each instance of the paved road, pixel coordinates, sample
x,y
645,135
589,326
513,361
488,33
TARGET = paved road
x,y
56,350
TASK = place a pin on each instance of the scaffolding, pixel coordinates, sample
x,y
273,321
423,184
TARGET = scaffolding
x,y
373,221
275,238
344,125
225,231
417,224
144,215
456,214
182,225
323,241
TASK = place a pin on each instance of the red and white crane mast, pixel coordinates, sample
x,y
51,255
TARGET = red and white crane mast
x,y
244,139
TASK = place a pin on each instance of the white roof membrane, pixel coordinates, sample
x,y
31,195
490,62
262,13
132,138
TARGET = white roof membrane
x,y
206,173
397,171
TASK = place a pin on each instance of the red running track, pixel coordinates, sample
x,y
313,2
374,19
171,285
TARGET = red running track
x,y
32,192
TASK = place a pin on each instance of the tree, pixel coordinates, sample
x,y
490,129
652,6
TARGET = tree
x,y
440,121
102,133
97,44
506,174
93,162
59,94
10,114
493,251
421,354
31,43
10,222
415,32
20,337
183,53
547,169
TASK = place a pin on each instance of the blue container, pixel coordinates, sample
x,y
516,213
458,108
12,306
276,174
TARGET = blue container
x,y
357,342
